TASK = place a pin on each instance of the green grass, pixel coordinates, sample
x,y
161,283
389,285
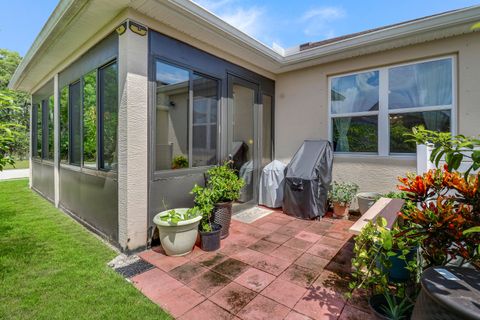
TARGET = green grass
x,y
52,268
19,164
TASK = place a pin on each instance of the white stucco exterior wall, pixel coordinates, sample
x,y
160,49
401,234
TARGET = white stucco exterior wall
x,y
301,107
133,140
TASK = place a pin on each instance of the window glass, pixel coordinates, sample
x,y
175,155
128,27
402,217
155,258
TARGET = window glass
x,y
64,124
49,104
355,134
205,105
267,130
172,120
402,123
420,85
109,106
75,123
39,136
355,93
90,119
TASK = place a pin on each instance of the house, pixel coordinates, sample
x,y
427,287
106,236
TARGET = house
x,y
124,91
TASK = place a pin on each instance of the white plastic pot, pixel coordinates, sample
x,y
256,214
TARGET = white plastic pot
x,y
366,200
177,239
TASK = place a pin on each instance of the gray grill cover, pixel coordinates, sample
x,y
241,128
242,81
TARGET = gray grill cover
x,y
270,190
308,179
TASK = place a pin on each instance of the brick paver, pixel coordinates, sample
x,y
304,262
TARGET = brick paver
x,y
278,267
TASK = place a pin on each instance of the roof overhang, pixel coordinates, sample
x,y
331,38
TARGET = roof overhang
x,y
75,25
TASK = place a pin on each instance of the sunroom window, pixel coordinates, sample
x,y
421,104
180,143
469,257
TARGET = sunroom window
x,y
371,111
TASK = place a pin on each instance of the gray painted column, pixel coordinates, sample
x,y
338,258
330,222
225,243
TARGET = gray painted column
x,y
133,141
56,141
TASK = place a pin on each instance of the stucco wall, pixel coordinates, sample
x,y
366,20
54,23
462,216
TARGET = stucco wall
x,y
301,107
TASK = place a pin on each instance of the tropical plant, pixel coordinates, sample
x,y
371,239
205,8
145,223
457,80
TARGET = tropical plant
x,y
173,216
6,132
204,204
342,192
179,162
373,250
397,310
224,183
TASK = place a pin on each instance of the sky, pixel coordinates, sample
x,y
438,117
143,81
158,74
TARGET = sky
x,y
286,23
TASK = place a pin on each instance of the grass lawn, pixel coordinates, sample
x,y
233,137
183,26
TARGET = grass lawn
x,y
19,164
52,268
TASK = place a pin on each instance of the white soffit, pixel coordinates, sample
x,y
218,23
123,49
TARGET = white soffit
x,y
75,22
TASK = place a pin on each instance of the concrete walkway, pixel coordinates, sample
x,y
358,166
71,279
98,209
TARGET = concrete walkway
x,y
14,174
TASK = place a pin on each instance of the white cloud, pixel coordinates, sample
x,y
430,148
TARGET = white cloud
x,y
318,21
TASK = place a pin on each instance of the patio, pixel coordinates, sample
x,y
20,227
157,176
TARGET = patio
x,y
277,267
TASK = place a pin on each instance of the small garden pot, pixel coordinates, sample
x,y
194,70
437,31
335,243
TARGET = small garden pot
x,y
366,200
222,215
210,241
376,303
339,211
177,239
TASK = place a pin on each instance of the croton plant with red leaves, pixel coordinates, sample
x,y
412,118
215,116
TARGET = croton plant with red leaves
x,y
448,203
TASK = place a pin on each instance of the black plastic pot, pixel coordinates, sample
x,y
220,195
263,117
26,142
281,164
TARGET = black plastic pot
x,y
210,241
376,304
222,215
398,272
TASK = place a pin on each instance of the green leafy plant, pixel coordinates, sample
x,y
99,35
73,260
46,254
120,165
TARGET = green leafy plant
x,y
173,216
179,162
6,132
343,192
397,310
224,183
204,204
373,249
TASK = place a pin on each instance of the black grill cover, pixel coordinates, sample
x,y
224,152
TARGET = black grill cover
x,y
307,180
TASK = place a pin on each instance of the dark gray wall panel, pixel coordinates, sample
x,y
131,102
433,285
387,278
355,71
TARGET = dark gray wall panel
x,y
174,192
92,198
42,179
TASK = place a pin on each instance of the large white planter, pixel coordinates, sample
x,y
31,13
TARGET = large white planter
x,y
179,238
366,200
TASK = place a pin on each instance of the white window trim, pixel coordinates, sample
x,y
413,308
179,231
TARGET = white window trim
x,y
384,112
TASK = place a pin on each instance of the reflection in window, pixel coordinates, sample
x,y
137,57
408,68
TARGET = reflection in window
x,y
109,106
64,124
423,84
171,117
355,93
355,134
90,119
75,123
267,130
402,123
205,103
49,104
39,136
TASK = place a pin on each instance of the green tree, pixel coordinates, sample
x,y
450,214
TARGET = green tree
x,y
6,133
15,116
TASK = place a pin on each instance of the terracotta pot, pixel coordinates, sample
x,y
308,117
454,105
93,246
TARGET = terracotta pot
x,y
339,211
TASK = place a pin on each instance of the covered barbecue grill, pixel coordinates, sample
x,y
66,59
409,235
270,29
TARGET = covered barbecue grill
x,y
307,180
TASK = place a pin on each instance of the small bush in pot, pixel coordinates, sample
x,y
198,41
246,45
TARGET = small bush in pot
x,y
179,162
225,185
341,195
178,230
209,231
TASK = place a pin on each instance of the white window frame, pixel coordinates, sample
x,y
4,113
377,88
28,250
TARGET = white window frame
x,y
384,112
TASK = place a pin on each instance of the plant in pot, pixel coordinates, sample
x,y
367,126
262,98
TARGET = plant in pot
x,y
209,231
178,230
225,185
385,264
179,162
366,200
341,195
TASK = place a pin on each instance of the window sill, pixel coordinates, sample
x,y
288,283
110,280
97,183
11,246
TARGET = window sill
x,y
159,175
371,156
90,172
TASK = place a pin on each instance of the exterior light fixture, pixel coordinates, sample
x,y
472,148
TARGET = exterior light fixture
x,y
121,28
137,28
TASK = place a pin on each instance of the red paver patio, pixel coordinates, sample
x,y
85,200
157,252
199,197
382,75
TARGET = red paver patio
x,y
278,267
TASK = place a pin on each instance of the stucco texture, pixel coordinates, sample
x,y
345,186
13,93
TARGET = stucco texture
x,y
301,109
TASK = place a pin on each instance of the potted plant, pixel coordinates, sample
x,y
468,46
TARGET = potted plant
x,y
179,162
366,200
389,307
209,231
178,230
341,195
225,185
